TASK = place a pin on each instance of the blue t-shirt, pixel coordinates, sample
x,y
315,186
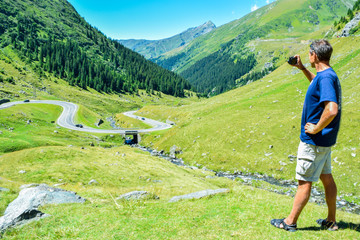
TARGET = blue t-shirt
x,y
324,87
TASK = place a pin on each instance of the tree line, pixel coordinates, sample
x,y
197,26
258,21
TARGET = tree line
x,y
85,57
218,72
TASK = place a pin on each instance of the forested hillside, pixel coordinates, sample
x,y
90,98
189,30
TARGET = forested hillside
x,y
52,37
340,29
283,20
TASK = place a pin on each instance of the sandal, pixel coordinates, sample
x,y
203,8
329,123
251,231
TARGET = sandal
x,y
280,223
325,224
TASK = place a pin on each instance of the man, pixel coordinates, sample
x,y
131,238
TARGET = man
x,y
319,127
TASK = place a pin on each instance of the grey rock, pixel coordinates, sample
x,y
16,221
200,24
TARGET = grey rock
x,y
315,192
137,195
93,181
350,25
173,151
201,194
4,189
342,203
25,207
22,171
268,65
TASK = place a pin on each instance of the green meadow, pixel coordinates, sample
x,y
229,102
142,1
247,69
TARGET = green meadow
x,y
245,212
252,129
256,127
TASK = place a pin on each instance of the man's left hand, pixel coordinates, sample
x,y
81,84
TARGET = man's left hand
x,y
310,128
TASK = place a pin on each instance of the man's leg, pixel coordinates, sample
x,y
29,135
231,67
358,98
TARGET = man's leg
x,y
330,194
301,198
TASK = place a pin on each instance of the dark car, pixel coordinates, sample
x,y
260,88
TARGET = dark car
x,y
79,125
27,100
4,101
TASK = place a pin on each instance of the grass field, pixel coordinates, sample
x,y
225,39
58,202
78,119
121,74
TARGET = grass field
x,y
250,129
234,131
245,212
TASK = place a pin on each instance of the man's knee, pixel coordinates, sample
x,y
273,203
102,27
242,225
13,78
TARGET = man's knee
x,y
304,184
327,179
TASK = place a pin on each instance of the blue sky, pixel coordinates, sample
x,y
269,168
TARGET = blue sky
x,y
157,19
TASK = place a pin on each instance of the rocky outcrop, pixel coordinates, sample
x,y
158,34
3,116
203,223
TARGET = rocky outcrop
x,y
350,25
137,195
198,195
25,207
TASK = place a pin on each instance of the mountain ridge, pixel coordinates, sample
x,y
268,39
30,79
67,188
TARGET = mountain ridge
x,y
282,19
153,48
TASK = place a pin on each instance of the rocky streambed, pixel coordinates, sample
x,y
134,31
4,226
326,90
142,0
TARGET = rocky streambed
x,y
262,181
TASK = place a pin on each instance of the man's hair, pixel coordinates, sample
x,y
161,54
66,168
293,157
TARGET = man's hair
x,y
322,48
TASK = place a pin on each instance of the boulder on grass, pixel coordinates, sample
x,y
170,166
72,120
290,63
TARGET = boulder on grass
x,y
137,195
25,207
198,195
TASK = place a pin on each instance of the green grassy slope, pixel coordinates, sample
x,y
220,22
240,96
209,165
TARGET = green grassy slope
x,y
281,20
18,81
291,11
245,212
48,158
234,131
27,84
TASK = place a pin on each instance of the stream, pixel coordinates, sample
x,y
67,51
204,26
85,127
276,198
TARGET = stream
x,y
283,187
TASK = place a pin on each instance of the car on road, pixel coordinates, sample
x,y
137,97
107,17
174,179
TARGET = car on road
x,y
4,101
79,125
142,118
27,100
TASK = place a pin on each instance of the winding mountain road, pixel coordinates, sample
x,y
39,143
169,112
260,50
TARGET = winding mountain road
x,y
66,118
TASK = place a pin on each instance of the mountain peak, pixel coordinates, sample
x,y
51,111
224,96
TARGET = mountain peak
x,y
155,48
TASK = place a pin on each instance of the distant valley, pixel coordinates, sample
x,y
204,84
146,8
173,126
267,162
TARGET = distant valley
x,y
154,48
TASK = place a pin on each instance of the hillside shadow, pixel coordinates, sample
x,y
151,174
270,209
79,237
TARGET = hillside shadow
x,y
342,226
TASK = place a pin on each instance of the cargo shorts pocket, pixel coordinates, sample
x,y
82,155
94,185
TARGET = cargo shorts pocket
x,y
305,162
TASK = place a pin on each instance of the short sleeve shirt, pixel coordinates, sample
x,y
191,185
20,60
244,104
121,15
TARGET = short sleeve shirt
x,y
324,87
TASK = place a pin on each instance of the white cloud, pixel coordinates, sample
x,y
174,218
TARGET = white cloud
x,y
254,8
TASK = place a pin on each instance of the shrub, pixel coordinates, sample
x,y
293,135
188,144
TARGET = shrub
x,y
10,80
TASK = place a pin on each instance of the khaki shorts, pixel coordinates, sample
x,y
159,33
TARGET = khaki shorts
x,y
312,161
